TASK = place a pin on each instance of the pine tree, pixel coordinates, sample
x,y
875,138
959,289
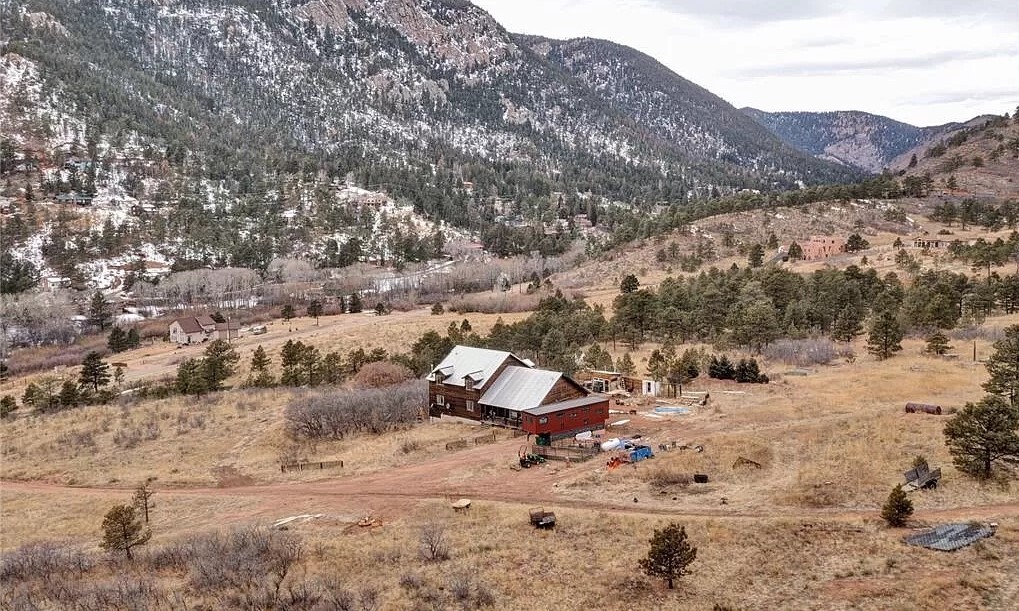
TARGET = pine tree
x,y
356,307
331,369
260,375
1003,367
847,325
310,363
897,508
625,364
670,554
795,251
117,340
132,339
287,313
755,258
219,363
856,243
69,395
290,360
315,310
122,530
983,433
191,378
885,337
94,371
99,312
938,344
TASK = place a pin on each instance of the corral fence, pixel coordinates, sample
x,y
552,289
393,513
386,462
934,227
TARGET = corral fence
x,y
487,438
310,465
460,444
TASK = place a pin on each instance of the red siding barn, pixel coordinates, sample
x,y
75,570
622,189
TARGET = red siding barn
x,y
567,418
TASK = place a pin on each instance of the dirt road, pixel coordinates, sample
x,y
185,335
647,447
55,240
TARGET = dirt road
x,y
475,474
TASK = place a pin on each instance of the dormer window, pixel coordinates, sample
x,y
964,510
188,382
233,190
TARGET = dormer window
x,y
468,384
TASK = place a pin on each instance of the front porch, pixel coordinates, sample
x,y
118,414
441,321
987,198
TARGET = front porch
x,y
498,416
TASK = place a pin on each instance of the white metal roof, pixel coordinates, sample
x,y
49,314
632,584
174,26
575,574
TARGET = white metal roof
x,y
478,363
519,388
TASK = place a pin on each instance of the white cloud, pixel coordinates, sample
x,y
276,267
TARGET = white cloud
x,y
925,62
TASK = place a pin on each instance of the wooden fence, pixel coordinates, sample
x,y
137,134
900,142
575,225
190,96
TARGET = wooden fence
x,y
487,438
459,444
309,465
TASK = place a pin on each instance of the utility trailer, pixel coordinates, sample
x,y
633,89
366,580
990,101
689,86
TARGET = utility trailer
x,y
541,518
921,477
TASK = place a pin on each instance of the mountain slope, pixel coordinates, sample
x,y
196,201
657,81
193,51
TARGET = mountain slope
x,y
979,158
674,111
853,138
401,83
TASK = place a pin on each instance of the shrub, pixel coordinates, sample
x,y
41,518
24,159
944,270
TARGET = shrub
x,y
664,478
381,374
748,372
335,415
434,544
802,352
7,405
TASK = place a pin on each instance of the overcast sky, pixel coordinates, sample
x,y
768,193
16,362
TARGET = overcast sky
x,y
925,62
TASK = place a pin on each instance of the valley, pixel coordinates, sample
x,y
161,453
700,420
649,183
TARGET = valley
x,y
378,305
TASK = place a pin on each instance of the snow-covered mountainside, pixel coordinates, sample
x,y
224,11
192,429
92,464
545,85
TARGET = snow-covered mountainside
x,y
394,83
667,108
858,139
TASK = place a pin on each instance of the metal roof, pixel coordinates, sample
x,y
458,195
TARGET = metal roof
x,y
519,388
478,363
950,537
568,404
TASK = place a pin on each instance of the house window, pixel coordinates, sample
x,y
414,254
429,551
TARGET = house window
x,y
440,400
468,384
470,406
543,420
573,414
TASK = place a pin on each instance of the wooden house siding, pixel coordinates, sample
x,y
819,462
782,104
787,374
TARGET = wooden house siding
x,y
455,398
564,389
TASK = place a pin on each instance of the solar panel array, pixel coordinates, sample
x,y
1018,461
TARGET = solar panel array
x,y
950,537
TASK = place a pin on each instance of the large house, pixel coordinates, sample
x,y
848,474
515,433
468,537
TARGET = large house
x,y
822,247
499,388
198,329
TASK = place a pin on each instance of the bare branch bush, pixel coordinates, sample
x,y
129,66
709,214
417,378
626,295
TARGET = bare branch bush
x,y
434,543
335,415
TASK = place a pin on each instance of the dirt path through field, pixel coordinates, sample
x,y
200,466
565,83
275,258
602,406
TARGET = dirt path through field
x,y
447,478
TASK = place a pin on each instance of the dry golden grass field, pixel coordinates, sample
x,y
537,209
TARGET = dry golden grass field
x,y
801,532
